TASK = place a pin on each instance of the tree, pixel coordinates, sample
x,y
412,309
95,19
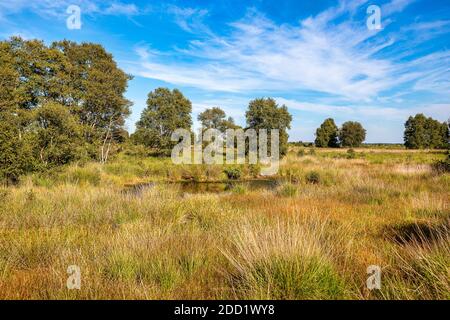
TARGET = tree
x,y
422,132
58,135
166,111
266,114
327,135
215,118
43,72
16,157
9,79
98,85
212,118
352,134
83,78
97,93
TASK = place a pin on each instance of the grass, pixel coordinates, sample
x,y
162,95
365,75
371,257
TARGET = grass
x,y
312,236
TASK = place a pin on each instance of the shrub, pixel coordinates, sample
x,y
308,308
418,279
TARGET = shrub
x,y
442,165
312,151
139,151
4,193
301,152
292,175
351,154
239,189
287,190
313,177
254,170
233,173
212,172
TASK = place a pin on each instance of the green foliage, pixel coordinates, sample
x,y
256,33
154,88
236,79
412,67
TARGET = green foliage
x,y
313,177
58,135
351,154
239,189
254,170
212,118
166,111
233,173
58,103
15,150
327,135
9,79
443,165
352,134
215,118
293,278
266,114
138,151
81,176
97,83
292,175
425,133
288,190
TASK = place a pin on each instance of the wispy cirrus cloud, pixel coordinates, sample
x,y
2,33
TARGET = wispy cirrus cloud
x,y
57,8
189,19
364,112
327,64
122,9
318,54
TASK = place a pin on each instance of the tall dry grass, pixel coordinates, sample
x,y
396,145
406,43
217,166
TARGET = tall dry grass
x,y
311,237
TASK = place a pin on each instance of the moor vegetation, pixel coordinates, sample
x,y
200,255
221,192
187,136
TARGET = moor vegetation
x,y
311,235
76,189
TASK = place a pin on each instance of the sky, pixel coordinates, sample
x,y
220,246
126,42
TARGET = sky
x,y
320,58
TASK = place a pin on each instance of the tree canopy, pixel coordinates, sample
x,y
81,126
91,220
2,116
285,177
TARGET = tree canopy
x,y
166,111
58,102
327,135
425,133
267,114
215,118
352,134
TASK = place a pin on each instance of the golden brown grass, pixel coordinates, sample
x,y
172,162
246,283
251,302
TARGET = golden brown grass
x,y
305,239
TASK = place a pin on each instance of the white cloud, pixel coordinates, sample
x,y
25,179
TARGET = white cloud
x,y
189,19
122,9
439,111
57,8
395,6
342,59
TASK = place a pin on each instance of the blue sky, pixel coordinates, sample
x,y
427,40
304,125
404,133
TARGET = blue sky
x,y
317,57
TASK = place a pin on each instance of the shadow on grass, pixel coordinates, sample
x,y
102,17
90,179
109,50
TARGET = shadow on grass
x,y
417,232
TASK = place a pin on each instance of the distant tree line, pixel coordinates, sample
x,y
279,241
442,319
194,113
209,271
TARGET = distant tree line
x,y
168,110
420,133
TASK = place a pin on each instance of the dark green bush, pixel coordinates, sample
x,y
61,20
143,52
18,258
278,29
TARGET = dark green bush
x,y
442,166
351,154
254,170
233,173
301,153
313,177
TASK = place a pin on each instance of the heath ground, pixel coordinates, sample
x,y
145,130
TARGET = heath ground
x,y
139,228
